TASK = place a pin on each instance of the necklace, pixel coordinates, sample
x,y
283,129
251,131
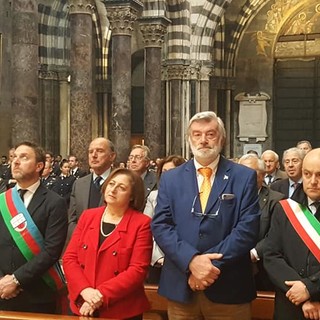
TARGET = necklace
x,y
101,225
106,234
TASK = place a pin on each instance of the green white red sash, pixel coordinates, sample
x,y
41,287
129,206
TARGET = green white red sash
x,y
305,223
26,234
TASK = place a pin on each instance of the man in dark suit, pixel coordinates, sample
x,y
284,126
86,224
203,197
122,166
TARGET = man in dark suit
x,y
206,222
139,161
23,283
74,167
292,262
273,172
6,174
86,190
267,201
292,162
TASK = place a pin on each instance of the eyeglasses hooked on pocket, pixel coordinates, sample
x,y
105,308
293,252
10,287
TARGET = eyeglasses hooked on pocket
x,y
227,196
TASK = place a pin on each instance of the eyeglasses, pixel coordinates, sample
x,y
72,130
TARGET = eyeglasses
x,y
136,157
201,214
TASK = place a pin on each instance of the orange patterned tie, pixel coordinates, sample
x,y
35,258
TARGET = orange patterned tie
x,y
205,186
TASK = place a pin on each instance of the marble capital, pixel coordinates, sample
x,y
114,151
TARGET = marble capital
x,y
153,34
122,19
176,72
81,6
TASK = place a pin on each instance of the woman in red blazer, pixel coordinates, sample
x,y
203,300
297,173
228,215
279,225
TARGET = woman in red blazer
x,y
107,259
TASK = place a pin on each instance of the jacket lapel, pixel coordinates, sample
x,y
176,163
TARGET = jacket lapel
x,y
115,236
37,199
220,183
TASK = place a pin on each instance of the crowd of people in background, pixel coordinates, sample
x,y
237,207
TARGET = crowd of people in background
x,y
221,229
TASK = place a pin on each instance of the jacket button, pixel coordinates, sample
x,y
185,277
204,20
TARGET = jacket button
x,y
301,272
85,247
114,253
82,266
116,272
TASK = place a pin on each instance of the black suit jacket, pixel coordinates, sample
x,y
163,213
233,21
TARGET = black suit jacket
x,y
281,186
150,183
288,258
267,202
79,173
49,212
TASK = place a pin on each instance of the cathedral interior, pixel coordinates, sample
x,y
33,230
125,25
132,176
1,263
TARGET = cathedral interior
x,y
135,72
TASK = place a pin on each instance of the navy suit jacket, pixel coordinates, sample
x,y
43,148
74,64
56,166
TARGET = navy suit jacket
x,y
233,231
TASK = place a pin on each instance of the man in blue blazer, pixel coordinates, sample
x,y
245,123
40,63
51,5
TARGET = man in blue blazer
x,y
207,270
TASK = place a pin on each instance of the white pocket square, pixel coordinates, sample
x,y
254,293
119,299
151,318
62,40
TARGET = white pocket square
x,y
227,196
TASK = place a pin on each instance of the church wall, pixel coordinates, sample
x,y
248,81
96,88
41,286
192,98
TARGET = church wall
x,y
5,77
254,74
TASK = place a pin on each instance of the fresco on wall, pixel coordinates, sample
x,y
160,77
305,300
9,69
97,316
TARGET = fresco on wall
x,y
304,22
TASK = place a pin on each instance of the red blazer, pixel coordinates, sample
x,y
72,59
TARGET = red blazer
x,y
117,269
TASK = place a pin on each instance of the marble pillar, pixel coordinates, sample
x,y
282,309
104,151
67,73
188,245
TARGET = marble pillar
x,y
121,17
49,109
153,31
64,113
24,57
178,92
81,85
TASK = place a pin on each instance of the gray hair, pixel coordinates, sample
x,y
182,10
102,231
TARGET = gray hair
x,y
276,156
304,141
260,162
146,150
208,116
301,153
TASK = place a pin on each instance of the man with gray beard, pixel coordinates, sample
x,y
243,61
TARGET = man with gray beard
x,y
206,221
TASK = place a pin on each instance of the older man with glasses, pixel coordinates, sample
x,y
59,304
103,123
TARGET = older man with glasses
x,y
206,221
139,161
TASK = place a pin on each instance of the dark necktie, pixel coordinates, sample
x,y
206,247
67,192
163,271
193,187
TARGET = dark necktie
x,y
22,193
269,179
97,182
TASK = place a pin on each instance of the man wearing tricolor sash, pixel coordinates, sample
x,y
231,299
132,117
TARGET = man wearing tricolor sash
x,y
33,227
292,256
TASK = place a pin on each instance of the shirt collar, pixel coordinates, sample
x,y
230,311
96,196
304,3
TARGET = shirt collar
x,y
104,176
213,165
33,188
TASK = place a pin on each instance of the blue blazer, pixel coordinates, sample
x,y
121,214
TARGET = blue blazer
x,y
232,230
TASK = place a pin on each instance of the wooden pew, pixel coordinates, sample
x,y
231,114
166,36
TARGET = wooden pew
x,y
11,315
262,309
262,306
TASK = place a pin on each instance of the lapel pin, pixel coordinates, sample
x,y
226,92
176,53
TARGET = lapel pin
x,y
225,177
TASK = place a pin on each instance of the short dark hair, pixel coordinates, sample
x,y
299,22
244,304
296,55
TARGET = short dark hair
x,y
39,152
137,201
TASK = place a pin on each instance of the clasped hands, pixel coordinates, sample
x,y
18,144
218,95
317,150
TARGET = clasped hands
x,y
203,272
93,300
8,288
297,294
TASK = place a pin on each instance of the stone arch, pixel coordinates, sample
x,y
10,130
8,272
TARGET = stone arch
x,y
204,29
154,8
54,46
102,39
